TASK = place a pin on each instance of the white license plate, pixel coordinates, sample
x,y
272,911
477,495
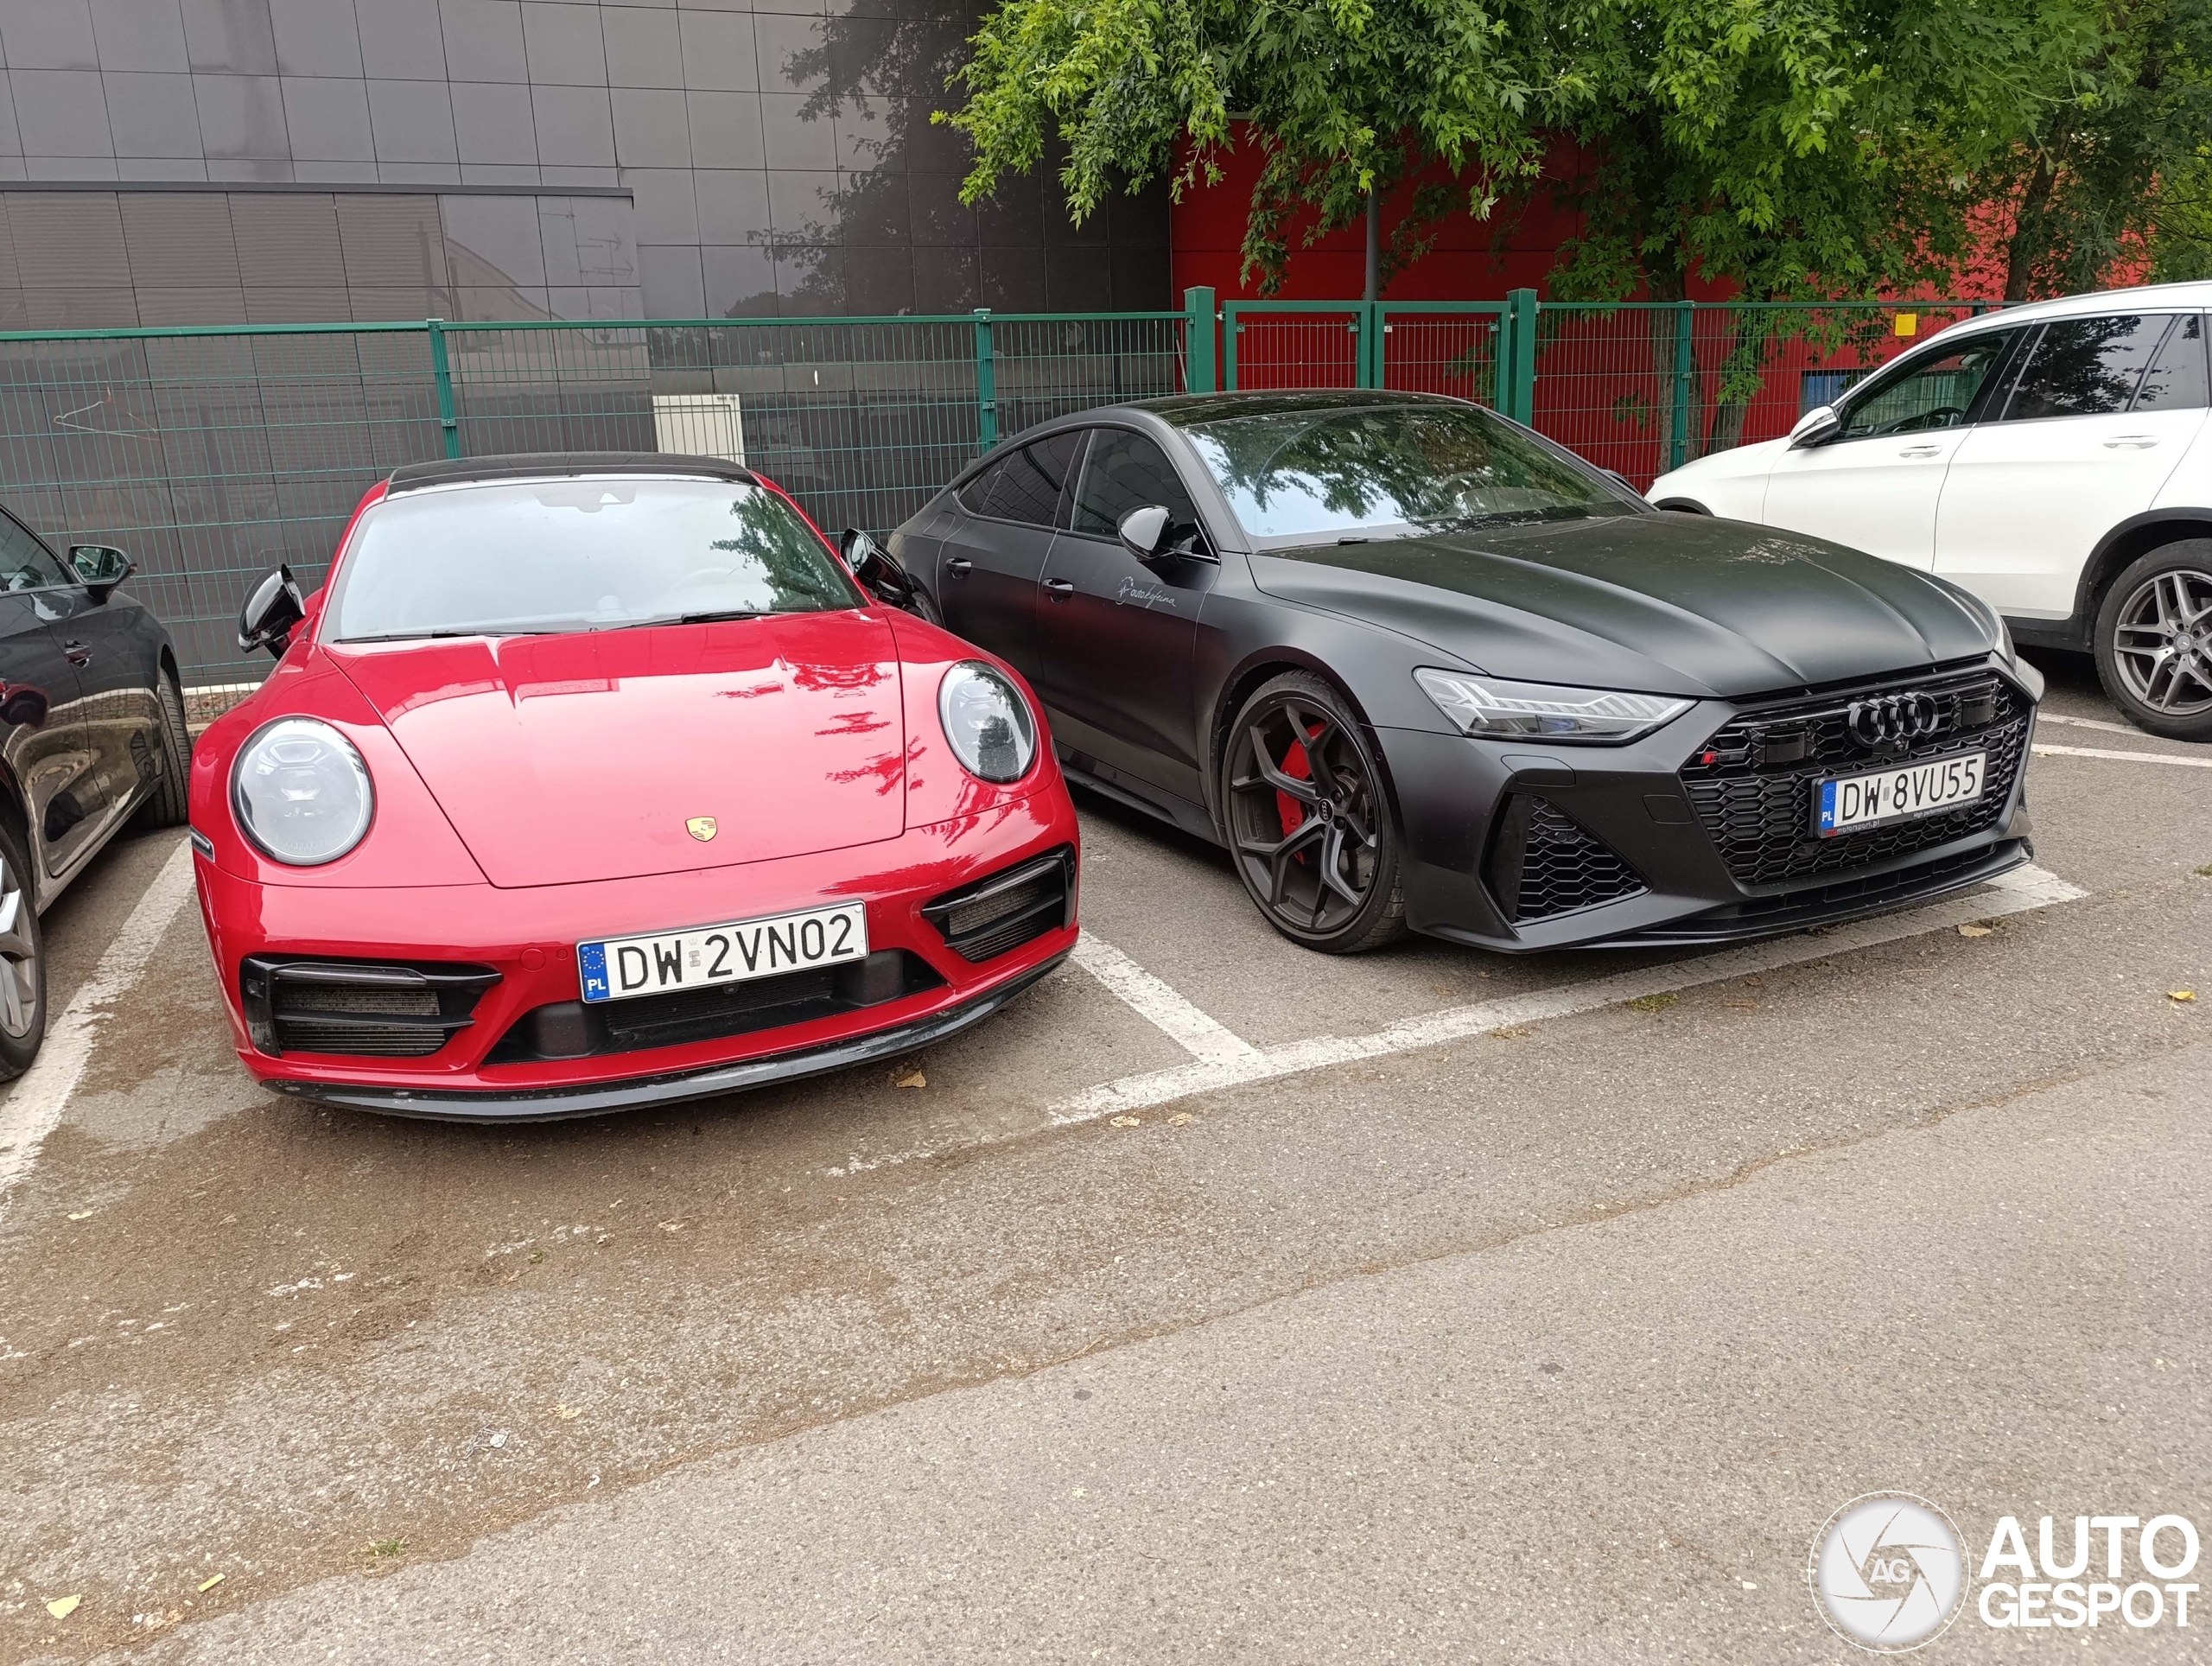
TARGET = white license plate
x,y
619,968
1850,802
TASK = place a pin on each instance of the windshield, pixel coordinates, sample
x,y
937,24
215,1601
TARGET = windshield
x,y
541,556
1383,470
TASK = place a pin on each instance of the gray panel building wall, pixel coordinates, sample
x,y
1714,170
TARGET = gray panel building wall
x,y
515,159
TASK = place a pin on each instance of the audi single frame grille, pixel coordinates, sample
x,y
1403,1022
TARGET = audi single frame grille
x,y
1753,781
1542,863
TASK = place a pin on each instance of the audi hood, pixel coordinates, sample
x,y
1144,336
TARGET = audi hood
x,y
1662,604
603,755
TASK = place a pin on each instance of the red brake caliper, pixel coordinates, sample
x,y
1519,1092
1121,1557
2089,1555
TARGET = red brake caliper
x,y
1295,766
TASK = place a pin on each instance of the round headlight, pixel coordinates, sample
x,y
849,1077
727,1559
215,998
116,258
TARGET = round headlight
x,y
300,793
987,722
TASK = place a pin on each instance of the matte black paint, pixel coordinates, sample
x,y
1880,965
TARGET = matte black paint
x,y
1140,665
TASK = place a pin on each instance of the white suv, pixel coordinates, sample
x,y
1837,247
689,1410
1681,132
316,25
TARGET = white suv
x,y
2053,459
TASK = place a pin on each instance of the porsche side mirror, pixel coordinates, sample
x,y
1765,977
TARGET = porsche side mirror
x,y
1144,531
1816,427
272,613
876,567
99,568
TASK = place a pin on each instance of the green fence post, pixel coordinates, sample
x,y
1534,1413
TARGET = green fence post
x,y
1198,341
1229,328
987,381
1516,396
1678,449
1371,331
442,371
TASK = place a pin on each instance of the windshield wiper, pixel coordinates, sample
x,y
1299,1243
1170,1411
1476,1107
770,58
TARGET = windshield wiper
x,y
425,636
711,618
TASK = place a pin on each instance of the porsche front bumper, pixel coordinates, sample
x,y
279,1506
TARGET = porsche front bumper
x,y
499,962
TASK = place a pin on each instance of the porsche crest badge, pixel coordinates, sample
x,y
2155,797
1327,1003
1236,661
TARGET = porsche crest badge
x,y
701,828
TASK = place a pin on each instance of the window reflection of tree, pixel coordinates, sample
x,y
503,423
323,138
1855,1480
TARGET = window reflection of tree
x,y
797,568
2084,367
1380,467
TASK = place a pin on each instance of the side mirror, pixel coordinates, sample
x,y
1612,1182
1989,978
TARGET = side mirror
x,y
272,613
1816,427
99,568
876,569
1144,531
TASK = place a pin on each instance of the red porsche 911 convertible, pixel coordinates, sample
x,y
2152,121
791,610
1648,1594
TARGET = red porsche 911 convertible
x,y
590,782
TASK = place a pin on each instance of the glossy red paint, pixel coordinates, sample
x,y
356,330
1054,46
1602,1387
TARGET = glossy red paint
x,y
532,792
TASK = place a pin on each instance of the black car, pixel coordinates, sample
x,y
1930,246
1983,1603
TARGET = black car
x,y
1417,666
92,736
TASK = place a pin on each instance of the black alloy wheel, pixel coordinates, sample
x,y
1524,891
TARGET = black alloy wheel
x,y
2154,641
1309,825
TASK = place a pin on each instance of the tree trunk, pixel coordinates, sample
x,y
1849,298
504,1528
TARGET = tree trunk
x,y
1664,321
2029,242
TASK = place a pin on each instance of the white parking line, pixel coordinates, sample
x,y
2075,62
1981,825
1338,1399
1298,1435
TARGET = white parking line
x,y
2015,892
2043,751
2043,717
1201,1036
33,1105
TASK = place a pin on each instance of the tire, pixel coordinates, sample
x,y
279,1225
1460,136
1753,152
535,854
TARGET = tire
x,y
1322,867
2161,599
171,801
22,959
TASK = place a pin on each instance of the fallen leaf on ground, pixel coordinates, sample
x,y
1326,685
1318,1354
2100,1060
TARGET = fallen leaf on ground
x,y
1126,1122
1179,1119
671,1227
1974,930
62,1607
1652,1003
564,1412
211,1583
917,1080
82,1215
2181,995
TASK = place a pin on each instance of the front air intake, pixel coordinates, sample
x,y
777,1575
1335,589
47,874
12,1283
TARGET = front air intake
x,y
358,1008
1005,910
1542,863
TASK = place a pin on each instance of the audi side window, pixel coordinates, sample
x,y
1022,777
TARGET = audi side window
x,y
1940,391
2085,366
2177,379
1027,487
1127,471
975,493
25,563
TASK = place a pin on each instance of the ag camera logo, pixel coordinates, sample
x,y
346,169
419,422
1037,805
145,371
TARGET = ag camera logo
x,y
1889,1572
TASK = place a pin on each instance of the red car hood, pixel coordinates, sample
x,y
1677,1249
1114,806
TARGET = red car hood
x,y
562,758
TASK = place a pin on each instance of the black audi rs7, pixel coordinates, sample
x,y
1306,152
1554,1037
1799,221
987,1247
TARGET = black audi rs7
x,y
1416,667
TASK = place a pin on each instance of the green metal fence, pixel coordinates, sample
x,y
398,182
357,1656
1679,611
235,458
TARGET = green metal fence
x,y
211,455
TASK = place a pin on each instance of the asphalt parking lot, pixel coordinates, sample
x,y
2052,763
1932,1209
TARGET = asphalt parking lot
x,y
1216,1298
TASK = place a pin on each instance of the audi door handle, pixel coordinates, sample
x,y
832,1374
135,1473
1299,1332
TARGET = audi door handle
x,y
78,654
959,566
1062,588
1921,451
2133,441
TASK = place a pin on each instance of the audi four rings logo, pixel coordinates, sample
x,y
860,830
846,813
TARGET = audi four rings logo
x,y
1893,717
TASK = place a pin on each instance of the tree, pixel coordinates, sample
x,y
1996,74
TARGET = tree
x,y
2113,165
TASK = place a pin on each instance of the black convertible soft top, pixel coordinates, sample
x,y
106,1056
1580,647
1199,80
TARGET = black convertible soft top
x,y
537,465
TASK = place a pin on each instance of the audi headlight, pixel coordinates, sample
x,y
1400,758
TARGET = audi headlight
x,y
300,793
1496,709
986,723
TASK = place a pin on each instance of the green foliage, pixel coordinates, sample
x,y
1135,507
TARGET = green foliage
x,y
1344,96
1801,149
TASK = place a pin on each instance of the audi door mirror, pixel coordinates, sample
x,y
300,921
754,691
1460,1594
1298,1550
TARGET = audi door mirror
x,y
272,613
1816,427
1144,531
876,569
99,568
